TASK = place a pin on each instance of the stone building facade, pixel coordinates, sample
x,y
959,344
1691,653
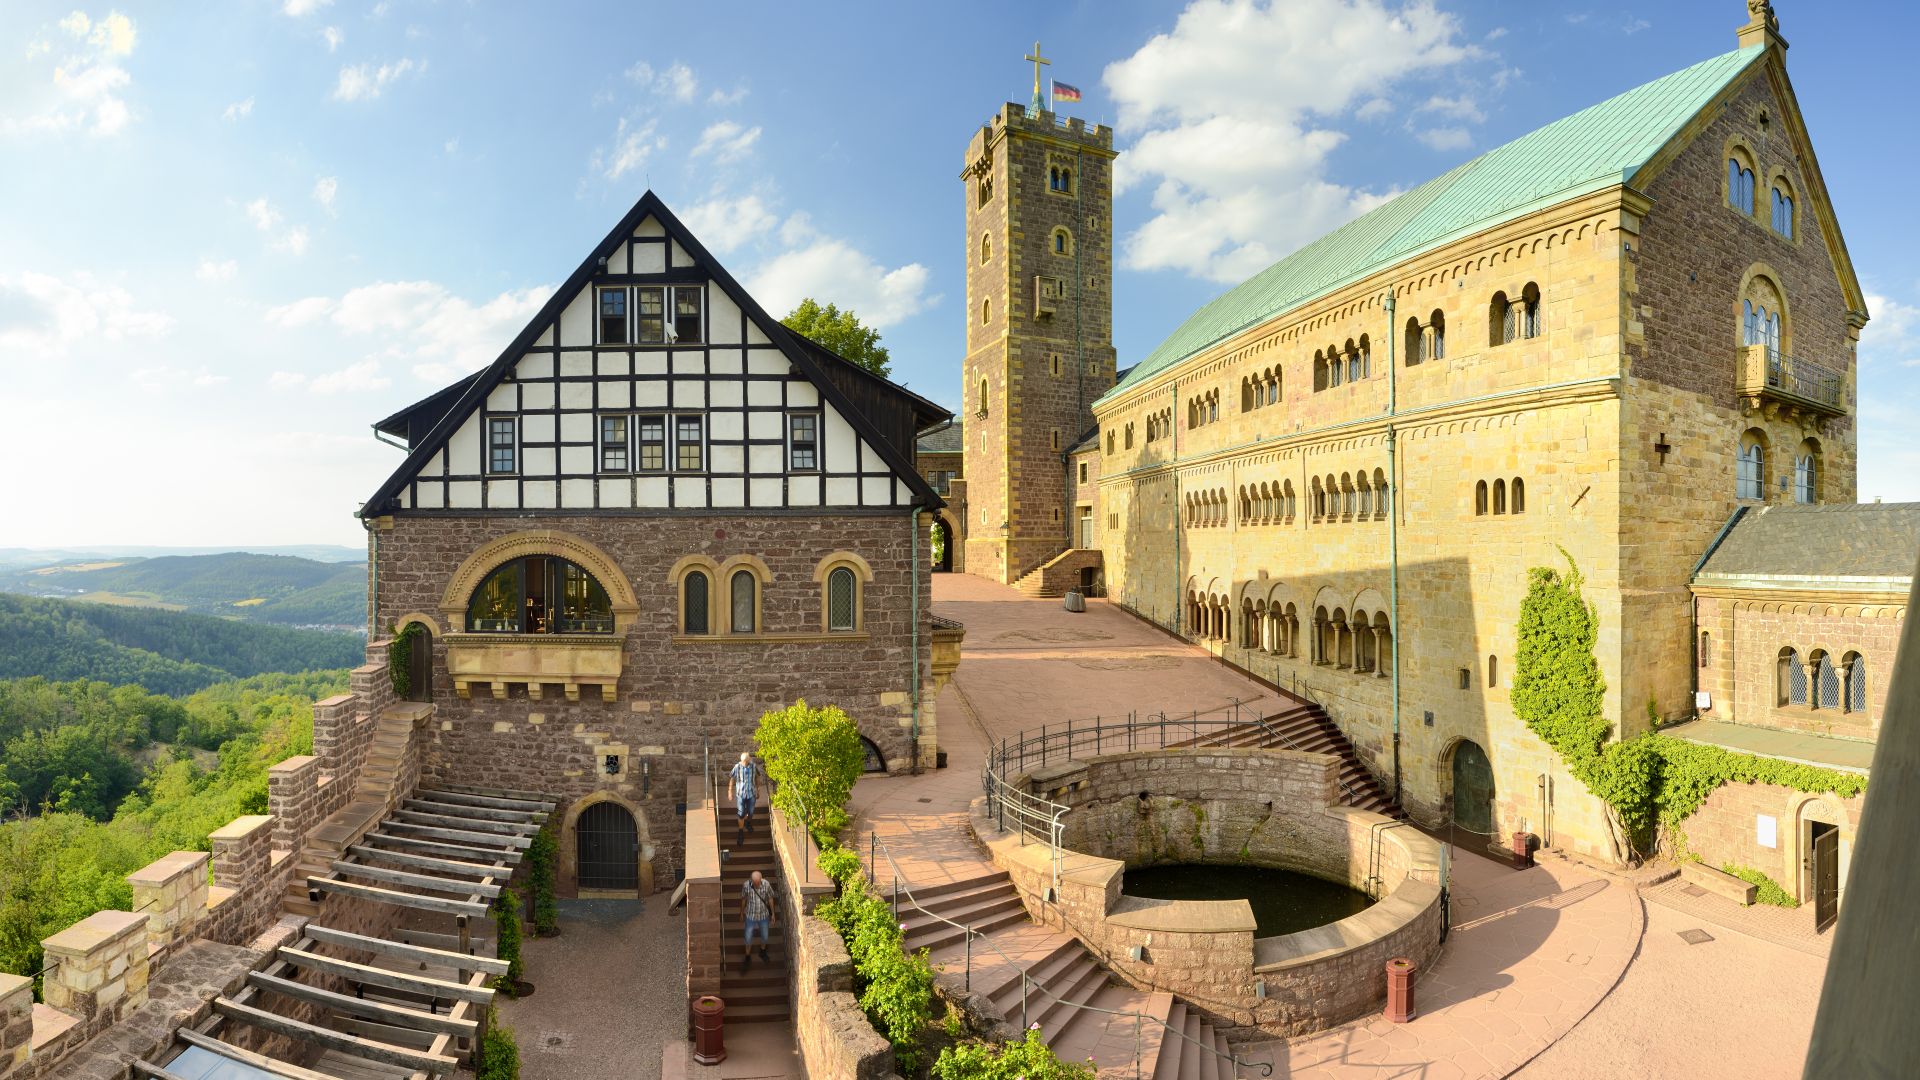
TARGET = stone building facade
x,y
1599,339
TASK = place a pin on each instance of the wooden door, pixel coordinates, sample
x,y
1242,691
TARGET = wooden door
x,y
1826,875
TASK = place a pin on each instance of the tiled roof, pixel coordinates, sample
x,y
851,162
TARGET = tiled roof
x,y
945,439
1836,540
1590,150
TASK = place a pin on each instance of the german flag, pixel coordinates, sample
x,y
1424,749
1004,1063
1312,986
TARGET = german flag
x,y
1063,92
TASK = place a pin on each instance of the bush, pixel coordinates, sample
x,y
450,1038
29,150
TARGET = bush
x,y
839,864
541,857
499,1052
1768,891
1028,1059
506,924
813,756
895,987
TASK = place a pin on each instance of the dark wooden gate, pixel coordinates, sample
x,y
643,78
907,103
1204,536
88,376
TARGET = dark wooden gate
x,y
1472,789
609,847
420,667
1826,875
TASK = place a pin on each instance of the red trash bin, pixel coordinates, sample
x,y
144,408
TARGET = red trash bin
x,y
709,1030
1400,990
1522,850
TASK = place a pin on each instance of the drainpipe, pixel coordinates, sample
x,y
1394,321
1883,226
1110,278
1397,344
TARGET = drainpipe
x,y
1393,539
373,579
913,682
1179,518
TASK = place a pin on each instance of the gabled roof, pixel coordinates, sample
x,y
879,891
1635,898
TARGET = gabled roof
x,y
423,414
805,355
950,438
1593,149
1826,542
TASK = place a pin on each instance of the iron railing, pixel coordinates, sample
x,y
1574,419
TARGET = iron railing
x,y
1803,378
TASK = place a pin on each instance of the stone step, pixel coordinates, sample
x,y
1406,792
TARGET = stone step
x,y
758,1014
1075,986
1005,995
939,935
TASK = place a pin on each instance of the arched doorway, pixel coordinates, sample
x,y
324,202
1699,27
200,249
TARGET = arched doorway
x,y
420,664
876,761
607,846
940,540
1472,789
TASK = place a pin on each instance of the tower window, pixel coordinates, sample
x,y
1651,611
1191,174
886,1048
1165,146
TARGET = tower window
x,y
1062,242
1053,363
986,247
986,311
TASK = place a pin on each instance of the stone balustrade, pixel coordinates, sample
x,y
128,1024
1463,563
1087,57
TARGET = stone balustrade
x,y
172,893
98,966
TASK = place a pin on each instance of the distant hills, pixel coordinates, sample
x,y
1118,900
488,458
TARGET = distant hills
x,y
29,557
286,590
167,652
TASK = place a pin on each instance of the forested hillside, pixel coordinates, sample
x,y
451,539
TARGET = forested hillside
x,y
279,589
164,651
72,754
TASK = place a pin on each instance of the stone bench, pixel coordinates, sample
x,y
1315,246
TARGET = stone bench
x,y
1715,881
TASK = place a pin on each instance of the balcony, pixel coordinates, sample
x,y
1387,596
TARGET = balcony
x,y
1770,378
492,662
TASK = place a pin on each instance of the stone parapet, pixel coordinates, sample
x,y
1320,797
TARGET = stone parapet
x,y
98,966
293,798
172,892
16,1021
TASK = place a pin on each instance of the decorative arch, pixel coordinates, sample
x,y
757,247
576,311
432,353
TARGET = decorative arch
x,y
1761,282
862,577
491,555
1803,810
568,882
421,617
762,577
1369,599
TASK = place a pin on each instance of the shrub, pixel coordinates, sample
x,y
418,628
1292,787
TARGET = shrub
x,y
813,756
899,1000
499,1052
1028,1059
1768,891
839,864
541,857
506,925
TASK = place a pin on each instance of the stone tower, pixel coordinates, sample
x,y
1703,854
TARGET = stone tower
x,y
1039,236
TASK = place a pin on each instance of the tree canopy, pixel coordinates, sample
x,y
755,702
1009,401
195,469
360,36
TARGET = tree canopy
x,y
842,332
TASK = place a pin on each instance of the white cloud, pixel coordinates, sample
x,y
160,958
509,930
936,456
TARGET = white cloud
x,y
728,97
44,315
1373,109
1496,33
1892,334
76,24
294,242
1444,138
262,214
677,82
1888,396
833,271
38,47
1233,106
333,37
451,146
113,34
724,224
324,189
286,380
217,270
364,82
634,141
83,91
1453,108
726,141
239,110
364,375
298,8
1633,26
300,313
267,218
421,322
163,378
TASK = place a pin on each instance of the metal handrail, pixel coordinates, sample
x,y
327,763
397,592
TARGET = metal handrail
x,y
878,848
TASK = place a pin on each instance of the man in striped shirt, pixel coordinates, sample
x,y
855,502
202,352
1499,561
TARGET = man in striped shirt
x,y
756,910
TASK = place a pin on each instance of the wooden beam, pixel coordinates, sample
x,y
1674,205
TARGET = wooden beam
x,y
469,908
247,1057
428,862
448,821
496,793
397,1015
373,976
335,1040
155,1072
467,887
481,813
446,796
414,843
418,953
461,836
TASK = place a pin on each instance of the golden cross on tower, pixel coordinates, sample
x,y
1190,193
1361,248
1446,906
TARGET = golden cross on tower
x,y
1038,60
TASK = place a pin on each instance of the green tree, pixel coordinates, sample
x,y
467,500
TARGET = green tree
x,y
813,756
842,332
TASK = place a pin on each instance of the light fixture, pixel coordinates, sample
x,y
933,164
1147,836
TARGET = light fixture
x,y
613,764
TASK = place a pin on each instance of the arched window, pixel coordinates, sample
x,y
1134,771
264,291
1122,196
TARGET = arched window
x,y
1319,500
1740,183
1364,505
986,311
1336,368
1499,496
1213,406
1499,320
1062,242
1751,478
1110,440
986,247
540,594
1382,644
1705,658
1356,365
1362,643
1790,680
1365,352
1415,345
1856,679
1287,494
1380,505
695,589
983,191
1346,495
1760,319
1826,681
1493,672
1519,496
1782,212
1437,335
1480,499
1530,321
744,610
1273,387
1806,473
842,603
980,403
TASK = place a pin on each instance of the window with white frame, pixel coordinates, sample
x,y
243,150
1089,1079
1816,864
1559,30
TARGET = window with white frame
x,y
613,317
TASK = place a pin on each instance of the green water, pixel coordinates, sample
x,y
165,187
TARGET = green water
x,y
1283,902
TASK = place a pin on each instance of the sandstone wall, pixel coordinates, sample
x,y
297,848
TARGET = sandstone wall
x,y
1746,634
1728,829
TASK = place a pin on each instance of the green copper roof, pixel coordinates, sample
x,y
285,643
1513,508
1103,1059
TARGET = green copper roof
x,y
1592,149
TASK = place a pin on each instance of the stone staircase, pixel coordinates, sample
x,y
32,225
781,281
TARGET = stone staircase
x,y
1070,975
761,994
1307,727
376,791
1058,574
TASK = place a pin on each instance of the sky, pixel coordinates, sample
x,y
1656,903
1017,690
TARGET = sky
x,y
232,236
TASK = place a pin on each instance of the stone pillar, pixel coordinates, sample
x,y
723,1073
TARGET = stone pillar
x,y
242,850
172,892
16,1021
293,797
98,965
1380,664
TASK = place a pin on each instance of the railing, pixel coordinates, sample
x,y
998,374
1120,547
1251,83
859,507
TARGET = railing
x,y
878,848
1803,378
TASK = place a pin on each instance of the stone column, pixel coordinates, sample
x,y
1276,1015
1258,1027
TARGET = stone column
x,y
1379,654
242,850
293,796
16,1021
98,965
172,892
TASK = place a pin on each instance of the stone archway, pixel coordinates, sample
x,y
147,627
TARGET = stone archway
x,y
943,530
1470,790
1807,816
596,886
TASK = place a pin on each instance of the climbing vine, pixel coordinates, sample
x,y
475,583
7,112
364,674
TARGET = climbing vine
x,y
542,855
400,658
1648,781
506,946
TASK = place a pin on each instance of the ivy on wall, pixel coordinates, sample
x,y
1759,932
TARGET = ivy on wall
x,y
400,658
1644,782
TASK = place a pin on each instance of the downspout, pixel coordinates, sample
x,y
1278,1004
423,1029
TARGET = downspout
x,y
1179,517
373,578
913,681
1393,540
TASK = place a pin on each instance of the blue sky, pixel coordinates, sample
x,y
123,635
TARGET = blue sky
x,y
234,235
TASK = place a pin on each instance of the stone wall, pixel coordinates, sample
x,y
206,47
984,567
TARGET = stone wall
x,y
1235,807
1747,631
1767,827
676,695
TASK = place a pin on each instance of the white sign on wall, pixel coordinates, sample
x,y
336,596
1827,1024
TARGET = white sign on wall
x,y
1764,831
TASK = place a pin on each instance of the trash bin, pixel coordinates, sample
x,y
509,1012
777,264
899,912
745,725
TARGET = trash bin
x,y
709,1030
1522,850
1400,990
1076,600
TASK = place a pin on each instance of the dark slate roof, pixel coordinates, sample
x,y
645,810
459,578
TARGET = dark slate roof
x,y
1835,540
945,439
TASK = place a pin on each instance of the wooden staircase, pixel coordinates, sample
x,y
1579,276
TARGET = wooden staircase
x,y
375,792
1306,727
762,993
